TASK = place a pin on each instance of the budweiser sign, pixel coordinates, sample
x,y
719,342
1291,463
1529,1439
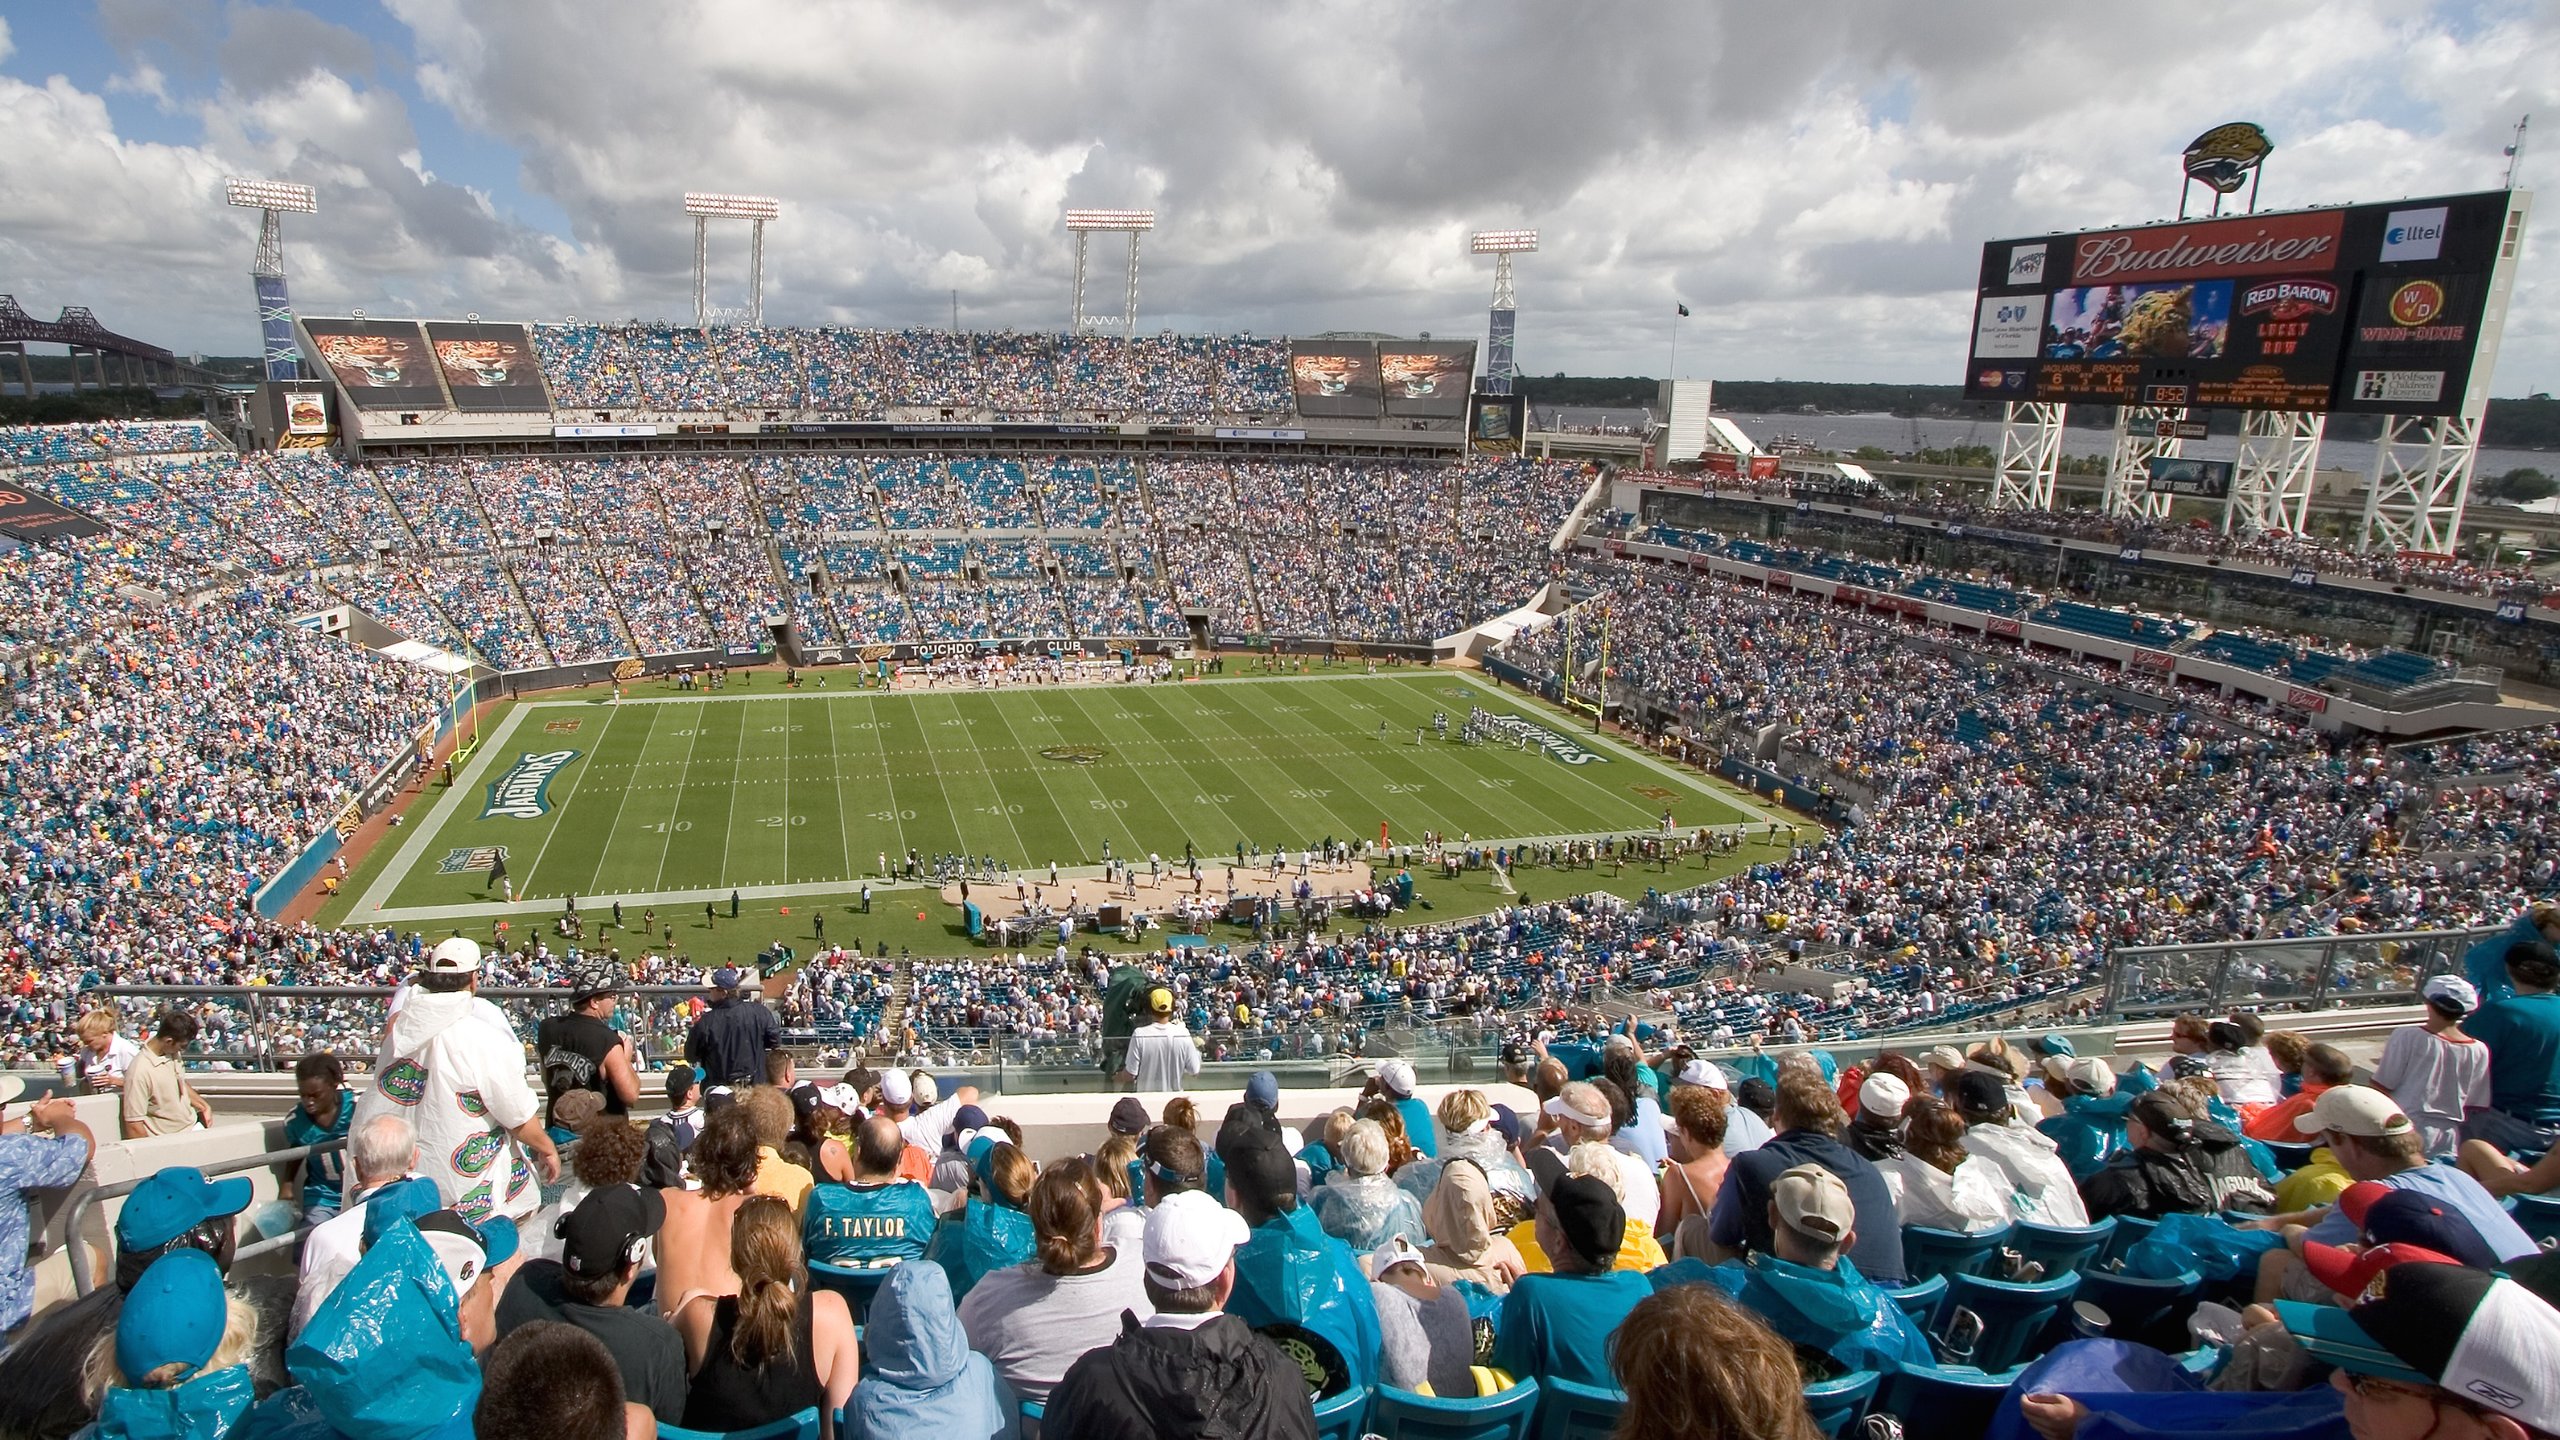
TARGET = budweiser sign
x,y
2301,699
2247,245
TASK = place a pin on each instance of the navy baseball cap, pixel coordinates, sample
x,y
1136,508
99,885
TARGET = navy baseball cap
x,y
174,1202
726,978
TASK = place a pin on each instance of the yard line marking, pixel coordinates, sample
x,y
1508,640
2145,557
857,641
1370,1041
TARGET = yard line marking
x,y
668,840
613,835
1170,813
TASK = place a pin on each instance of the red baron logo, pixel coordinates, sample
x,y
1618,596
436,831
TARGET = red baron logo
x,y
2289,299
2249,245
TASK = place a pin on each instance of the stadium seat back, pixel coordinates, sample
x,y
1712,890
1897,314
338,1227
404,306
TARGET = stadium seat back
x,y
1404,1415
1920,1301
1339,1418
803,1426
2013,1314
2062,1249
1839,1401
857,1286
2131,1230
1578,1412
2136,1306
1941,1402
1927,1252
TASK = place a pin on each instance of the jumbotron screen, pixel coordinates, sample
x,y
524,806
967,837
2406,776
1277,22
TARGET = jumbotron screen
x,y
2373,308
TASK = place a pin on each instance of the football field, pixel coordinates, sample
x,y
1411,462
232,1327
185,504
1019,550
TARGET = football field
x,y
683,798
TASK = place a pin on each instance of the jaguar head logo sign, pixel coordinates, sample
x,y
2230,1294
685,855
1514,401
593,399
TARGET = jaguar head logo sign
x,y
1074,754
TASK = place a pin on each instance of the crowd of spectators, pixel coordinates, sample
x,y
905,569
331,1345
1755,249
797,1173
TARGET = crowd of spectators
x,y
865,374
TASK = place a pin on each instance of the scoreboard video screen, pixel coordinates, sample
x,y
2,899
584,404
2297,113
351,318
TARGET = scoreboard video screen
x,y
2365,307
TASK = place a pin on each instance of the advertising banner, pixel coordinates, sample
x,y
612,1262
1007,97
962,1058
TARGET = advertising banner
x,y
1764,467
1335,380
2178,475
1495,423
2361,307
306,412
30,516
1719,462
488,367
1426,378
381,364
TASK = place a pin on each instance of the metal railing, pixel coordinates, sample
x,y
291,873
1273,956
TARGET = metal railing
x,y
75,1249
2305,973
268,1027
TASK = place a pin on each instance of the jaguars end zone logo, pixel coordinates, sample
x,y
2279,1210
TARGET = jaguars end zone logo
x,y
1074,754
469,859
523,793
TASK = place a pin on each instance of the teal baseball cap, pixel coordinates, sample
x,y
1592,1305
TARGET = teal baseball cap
x,y
173,1202
174,1315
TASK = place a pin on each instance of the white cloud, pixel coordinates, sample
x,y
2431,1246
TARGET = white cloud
x,y
1815,180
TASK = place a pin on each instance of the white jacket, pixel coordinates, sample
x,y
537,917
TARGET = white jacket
x,y
1973,1199
2044,1194
458,1076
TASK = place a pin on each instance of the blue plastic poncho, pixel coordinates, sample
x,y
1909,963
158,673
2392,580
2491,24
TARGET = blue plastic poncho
x,y
204,1408
1302,1287
1363,1211
988,1237
1838,1312
2207,1244
2485,964
922,1378
2137,1393
384,1358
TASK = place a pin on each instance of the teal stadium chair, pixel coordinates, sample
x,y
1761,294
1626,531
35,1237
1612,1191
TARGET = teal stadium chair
x,y
1339,1418
1578,1412
2013,1314
803,1426
2136,1306
2061,1249
1403,1415
1945,1402
1920,1301
857,1286
2131,1230
1836,1404
1927,1252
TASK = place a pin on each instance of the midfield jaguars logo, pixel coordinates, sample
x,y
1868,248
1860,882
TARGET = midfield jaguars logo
x,y
469,859
1074,754
523,792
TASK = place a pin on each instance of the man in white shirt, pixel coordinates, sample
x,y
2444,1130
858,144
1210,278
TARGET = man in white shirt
x,y
1161,1055
381,1152
925,1128
459,1079
2433,1069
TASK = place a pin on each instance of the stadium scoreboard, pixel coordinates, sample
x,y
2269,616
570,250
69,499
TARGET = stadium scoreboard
x,y
2384,309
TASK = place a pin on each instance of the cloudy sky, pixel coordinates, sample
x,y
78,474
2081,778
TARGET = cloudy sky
x,y
1815,180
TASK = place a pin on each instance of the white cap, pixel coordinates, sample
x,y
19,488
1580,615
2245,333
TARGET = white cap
x,y
1397,1077
1191,1238
1942,1057
2089,1072
2454,991
2353,1110
1883,1095
842,1096
1396,1251
1566,1109
926,1092
895,1089
1706,1073
459,955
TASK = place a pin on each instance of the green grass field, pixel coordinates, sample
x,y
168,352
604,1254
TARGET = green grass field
x,y
675,799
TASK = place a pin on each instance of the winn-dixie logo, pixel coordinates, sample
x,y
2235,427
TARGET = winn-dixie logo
x,y
2289,299
2213,249
522,793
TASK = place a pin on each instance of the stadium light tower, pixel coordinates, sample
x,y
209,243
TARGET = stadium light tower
x,y
1081,224
271,199
1501,245
704,207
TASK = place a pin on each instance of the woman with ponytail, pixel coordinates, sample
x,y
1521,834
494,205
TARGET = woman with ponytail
x,y
775,1348
1034,1319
